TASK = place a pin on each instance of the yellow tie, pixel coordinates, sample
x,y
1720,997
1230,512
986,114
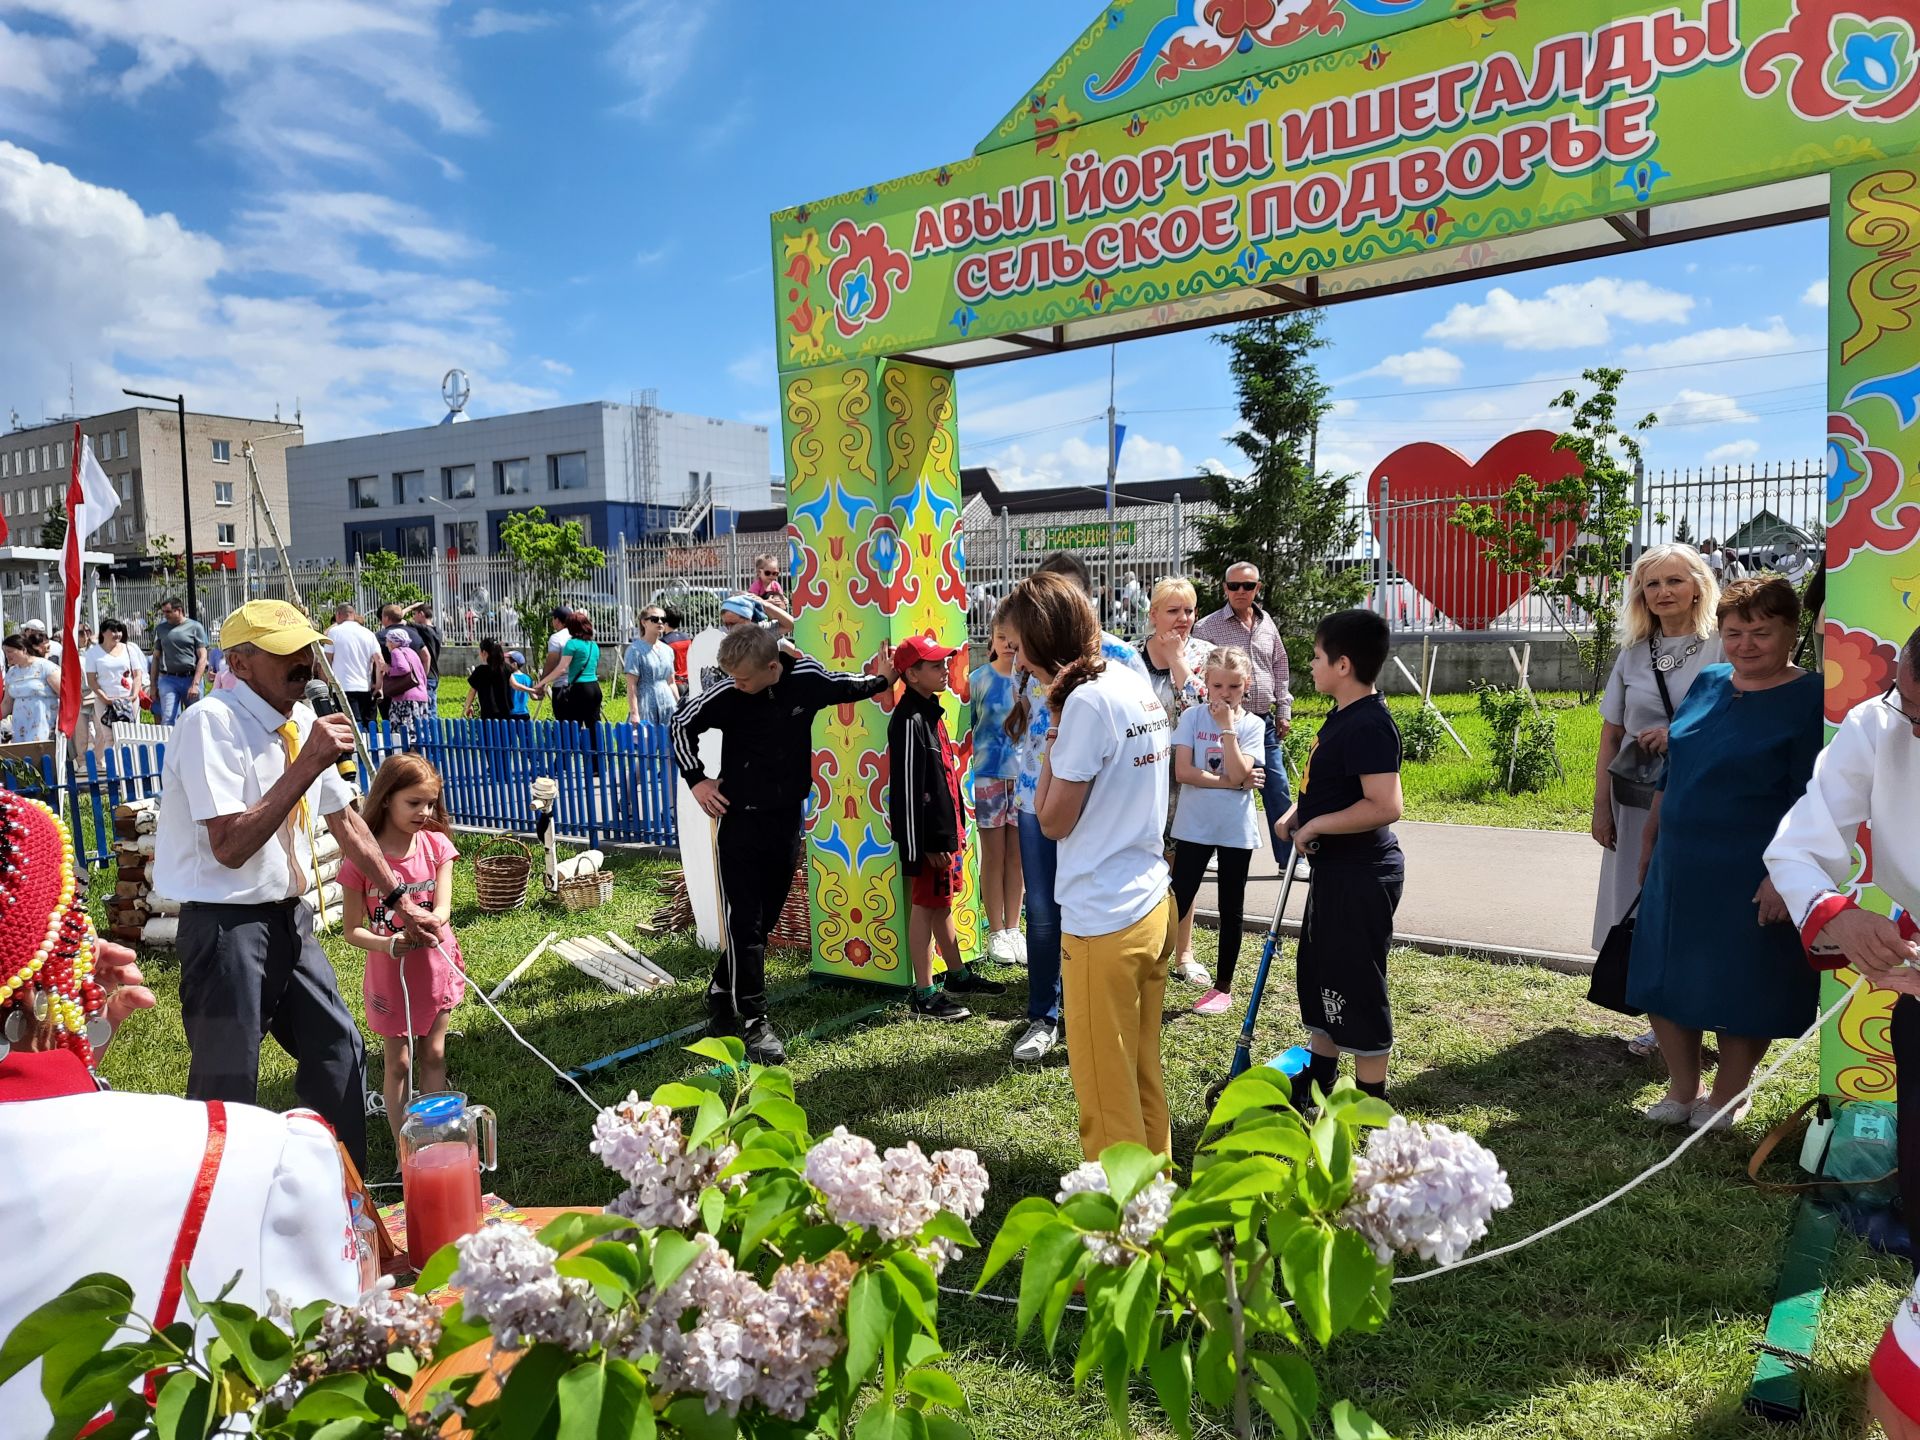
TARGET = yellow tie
x,y
289,734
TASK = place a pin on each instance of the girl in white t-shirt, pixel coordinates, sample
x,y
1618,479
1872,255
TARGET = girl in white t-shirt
x,y
1215,749
116,674
1102,796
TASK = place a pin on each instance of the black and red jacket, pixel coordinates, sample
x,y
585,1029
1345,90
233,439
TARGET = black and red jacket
x,y
923,779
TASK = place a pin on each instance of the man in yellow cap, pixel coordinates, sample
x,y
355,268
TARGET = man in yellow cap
x,y
249,776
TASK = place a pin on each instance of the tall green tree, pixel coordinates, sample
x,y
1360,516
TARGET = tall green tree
x,y
53,527
547,555
1284,514
385,573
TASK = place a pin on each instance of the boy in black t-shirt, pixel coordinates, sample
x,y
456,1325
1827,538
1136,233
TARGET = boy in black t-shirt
x,y
1349,795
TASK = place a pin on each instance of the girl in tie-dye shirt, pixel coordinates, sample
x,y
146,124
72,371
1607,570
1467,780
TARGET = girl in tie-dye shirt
x,y
995,766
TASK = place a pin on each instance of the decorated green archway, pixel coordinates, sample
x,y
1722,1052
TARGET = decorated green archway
x,y
1194,162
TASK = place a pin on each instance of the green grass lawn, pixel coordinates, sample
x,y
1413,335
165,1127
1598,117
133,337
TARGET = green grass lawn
x,y
1449,787
1640,1322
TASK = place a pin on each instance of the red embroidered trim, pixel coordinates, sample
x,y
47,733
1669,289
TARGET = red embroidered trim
x,y
1894,1369
188,1240
1824,909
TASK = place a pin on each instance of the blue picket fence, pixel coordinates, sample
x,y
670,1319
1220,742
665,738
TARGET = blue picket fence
x,y
617,785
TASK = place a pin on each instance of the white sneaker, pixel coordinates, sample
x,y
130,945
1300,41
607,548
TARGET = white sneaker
x,y
1033,1046
1019,946
1000,947
1194,973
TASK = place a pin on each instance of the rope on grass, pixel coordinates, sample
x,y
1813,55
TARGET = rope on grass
x,y
1595,1208
531,1048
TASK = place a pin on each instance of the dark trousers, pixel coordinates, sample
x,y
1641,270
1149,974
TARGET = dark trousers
x,y
249,971
1340,967
758,850
1275,794
1039,863
1906,1067
365,710
1189,869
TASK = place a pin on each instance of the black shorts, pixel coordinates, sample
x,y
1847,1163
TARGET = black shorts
x,y
1341,965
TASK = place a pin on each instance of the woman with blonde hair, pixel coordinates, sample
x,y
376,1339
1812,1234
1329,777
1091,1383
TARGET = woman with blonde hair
x,y
1669,637
1176,664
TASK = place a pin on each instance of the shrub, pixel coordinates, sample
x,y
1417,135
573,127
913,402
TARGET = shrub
x,y
1420,737
1525,752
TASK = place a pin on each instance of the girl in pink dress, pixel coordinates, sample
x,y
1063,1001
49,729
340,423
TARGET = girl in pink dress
x,y
403,811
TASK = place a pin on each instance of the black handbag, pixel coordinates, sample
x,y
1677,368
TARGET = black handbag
x,y
1607,987
1634,774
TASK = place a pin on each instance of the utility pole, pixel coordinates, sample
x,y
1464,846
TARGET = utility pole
x,y
1113,468
186,492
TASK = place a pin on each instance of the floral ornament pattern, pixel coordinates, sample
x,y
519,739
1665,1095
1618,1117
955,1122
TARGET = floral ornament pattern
x,y
864,275
1859,666
1868,481
1642,179
1884,217
1201,34
1846,57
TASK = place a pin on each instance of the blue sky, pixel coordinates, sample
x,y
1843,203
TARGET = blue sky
x,y
337,200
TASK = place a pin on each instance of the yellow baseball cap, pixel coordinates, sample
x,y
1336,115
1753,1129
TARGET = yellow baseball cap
x,y
270,625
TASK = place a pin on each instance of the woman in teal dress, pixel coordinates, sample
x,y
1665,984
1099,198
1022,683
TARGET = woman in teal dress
x,y
1713,948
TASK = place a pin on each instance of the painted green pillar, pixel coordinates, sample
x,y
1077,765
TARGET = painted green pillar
x,y
873,507
1873,518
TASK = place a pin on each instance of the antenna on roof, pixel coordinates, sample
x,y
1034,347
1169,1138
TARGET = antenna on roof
x,y
70,405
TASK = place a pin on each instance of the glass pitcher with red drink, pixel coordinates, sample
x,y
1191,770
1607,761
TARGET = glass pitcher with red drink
x,y
444,1145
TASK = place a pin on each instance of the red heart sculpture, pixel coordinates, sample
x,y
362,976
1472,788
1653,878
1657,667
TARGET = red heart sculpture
x,y
1426,483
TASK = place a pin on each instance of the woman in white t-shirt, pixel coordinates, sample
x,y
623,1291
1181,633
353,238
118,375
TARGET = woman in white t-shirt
x,y
116,674
1103,797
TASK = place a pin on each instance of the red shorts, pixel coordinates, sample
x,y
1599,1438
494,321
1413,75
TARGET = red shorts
x,y
934,887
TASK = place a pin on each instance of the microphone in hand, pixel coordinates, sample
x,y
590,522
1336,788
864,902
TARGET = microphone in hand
x,y
320,699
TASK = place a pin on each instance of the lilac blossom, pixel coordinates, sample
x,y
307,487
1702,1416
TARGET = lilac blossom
x,y
646,1147
1424,1190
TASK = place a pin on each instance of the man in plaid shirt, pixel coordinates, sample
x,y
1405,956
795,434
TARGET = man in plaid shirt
x,y
1245,624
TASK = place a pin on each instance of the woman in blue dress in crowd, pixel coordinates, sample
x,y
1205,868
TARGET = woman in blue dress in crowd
x,y
1713,947
651,697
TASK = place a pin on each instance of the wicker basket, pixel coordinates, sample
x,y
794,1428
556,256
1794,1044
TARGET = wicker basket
x,y
501,880
583,892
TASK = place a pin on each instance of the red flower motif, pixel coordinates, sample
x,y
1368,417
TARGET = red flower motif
x,y
864,275
1860,665
1230,17
1859,526
858,952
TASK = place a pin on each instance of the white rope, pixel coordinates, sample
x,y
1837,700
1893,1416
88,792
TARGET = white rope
x,y
530,1047
1595,1208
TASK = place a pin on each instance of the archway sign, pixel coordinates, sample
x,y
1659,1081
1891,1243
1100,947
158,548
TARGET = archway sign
x,y
1193,162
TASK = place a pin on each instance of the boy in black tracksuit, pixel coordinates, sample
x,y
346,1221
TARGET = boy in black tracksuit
x,y
923,775
765,709
1349,797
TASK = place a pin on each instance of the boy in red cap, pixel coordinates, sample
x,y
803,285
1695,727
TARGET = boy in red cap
x,y
928,820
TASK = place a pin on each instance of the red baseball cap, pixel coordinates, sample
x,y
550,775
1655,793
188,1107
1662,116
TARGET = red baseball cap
x,y
915,648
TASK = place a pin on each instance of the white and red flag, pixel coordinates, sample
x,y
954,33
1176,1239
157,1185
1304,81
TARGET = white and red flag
x,y
91,501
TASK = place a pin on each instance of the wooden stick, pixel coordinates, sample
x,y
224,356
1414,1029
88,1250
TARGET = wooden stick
x,y
633,954
521,969
1427,700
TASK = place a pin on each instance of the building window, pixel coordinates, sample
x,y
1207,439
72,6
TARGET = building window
x,y
223,492
222,452
365,542
16,464
121,436
457,481
33,461
510,477
567,472
416,540
60,454
223,534
409,487
6,464
126,490
364,492
463,537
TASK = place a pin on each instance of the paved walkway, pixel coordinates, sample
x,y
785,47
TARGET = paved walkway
x,y
1523,893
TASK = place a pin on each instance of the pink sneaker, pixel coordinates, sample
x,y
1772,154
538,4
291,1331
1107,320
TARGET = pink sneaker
x,y
1214,1002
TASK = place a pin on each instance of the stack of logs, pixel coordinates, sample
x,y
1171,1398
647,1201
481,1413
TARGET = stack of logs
x,y
138,916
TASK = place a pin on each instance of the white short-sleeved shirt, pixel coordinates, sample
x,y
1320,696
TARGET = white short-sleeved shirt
x,y
277,1218
222,757
354,651
1217,817
1112,865
118,676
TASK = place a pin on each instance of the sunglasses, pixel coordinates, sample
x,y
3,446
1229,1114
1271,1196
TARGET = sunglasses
x,y
1891,701
654,619
1243,584
769,572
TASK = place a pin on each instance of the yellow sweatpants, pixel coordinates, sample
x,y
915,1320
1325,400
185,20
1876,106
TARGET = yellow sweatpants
x,y
1114,986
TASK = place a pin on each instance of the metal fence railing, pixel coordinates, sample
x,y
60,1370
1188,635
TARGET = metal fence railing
x,y
1427,575
616,784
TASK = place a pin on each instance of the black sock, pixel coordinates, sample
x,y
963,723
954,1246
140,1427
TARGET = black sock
x,y
1322,1070
1376,1088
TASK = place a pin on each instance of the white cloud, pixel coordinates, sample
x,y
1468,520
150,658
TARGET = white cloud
x,y
753,368
1733,452
176,308
1703,407
651,50
1816,294
556,367
1564,317
1428,366
1082,462
489,20
652,256
1730,342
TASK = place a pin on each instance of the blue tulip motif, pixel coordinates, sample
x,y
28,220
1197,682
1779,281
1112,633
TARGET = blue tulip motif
x,y
856,295
886,554
1254,260
1844,471
1642,178
1115,18
1249,92
1871,62
963,318
871,197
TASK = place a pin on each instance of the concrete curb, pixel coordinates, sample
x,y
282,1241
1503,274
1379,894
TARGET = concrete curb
x,y
1435,945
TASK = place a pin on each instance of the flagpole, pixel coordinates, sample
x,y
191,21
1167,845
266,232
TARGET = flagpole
x,y
186,492
1113,466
